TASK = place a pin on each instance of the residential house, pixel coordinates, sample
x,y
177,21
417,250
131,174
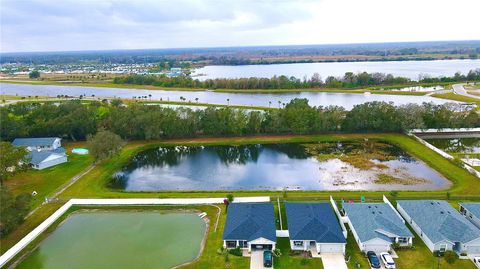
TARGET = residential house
x,y
44,152
376,226
250,226
440,226
314,227
472,212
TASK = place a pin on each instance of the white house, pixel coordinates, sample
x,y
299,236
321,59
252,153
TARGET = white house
x,y
250,226
39,143
376,226
472,212
44,152
440,226
314,227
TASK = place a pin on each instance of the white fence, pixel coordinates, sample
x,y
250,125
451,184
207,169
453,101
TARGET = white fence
x,y
467,167
9,254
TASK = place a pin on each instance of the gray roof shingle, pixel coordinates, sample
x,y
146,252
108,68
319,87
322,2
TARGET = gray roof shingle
x,y
372,220
440,221
38,141
313,221
474,208
36,157
250,221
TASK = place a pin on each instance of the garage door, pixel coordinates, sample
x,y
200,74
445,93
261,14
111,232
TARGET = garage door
x,y
262,246
331,248
473,249
377,248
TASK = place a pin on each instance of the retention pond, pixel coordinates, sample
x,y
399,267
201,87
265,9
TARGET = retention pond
x,y
113,239
312,166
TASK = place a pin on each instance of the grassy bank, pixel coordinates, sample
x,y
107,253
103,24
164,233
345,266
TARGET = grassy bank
x,y
94,184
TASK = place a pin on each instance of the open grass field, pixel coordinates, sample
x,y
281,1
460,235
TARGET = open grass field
x,y
457,97
93,185
45,182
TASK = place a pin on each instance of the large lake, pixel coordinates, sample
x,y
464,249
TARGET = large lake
x,y
312,166
120,240
410,69
347,100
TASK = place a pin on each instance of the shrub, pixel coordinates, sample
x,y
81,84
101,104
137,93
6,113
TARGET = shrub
x,y
277,253
450,256
236,252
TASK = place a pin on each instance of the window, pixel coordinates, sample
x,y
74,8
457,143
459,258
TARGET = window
x,y
443,247
402,240
242,244
298,243
231,244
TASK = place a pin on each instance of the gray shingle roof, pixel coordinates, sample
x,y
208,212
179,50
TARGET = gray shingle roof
x,y
313,221
37,157
372,220
474,208
39,141
249,221
440,221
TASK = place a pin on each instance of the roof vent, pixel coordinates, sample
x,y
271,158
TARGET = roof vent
x,y
441,212
431,203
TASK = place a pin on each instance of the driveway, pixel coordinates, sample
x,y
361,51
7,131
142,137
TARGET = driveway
x,y
333,261
256,260
459,89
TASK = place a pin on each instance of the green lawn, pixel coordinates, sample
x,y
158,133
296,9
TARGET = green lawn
x,y
420,257
94,185
45,182
457,97
288,260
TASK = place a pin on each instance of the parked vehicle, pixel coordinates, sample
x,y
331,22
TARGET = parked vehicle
x,y
476,261
387,260
373,259
267,258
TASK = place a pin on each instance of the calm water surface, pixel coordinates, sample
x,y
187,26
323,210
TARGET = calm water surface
x,y
120,240
457,145
410,69
268,167
346,100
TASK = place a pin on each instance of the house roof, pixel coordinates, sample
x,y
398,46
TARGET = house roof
x,y
249,221
474,208
38,141
313,221
376,220
36,157
440,221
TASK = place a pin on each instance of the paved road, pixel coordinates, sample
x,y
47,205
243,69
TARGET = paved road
x,y
459,89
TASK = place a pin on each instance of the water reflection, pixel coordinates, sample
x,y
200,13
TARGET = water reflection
x,y
313,166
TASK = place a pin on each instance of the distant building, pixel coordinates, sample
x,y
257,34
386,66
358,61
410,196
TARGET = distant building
x,y
440,226
44,151
175,72
250,226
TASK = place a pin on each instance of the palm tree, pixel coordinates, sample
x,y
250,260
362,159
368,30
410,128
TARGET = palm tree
x,y
150,96
269,103
196,99
228,101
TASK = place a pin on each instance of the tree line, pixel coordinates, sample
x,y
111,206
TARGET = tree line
x,y
349,80
75,121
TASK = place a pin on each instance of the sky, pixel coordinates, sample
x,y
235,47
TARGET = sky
x,y
52,25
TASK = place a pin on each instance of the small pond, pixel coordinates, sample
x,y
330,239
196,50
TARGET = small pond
x,y
114,239
312,166
457,145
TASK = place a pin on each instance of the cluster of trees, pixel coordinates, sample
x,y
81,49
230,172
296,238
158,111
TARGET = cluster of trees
x,y
74,121
349,80
13,209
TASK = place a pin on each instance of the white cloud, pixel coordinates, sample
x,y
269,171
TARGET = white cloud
x,y
41,25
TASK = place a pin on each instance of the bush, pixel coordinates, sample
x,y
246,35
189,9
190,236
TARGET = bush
x,y
450,256
277,253
236,252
